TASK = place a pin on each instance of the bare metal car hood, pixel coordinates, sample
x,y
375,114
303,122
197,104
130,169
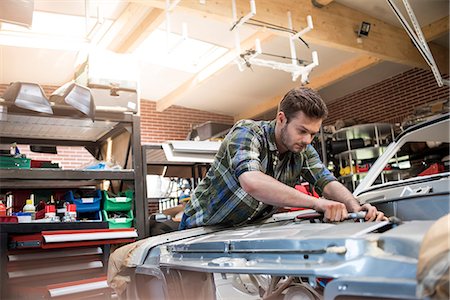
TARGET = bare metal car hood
x,y
379,258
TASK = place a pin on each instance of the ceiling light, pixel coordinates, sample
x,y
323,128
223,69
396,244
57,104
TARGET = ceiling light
x,y
28,96
77,96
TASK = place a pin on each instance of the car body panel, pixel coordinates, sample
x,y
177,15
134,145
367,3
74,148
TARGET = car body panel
x,y
290,257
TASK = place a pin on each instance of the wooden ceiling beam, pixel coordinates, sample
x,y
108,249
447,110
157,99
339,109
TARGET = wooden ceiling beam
x,y
436,29
152,21
334,26
431,32
331,76
124,26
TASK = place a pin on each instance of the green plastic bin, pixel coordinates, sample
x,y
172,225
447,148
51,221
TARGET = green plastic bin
x,y
122,202
9,162
119,222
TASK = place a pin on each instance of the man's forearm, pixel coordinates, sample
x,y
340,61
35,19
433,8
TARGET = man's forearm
x,y
270,191
337,192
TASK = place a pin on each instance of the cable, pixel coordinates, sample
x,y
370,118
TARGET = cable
x,y
269,26
300,61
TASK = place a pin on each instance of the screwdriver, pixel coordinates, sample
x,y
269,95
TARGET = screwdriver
x,y
357,215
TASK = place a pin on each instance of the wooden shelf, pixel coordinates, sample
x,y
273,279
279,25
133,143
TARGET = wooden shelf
x,y
59,174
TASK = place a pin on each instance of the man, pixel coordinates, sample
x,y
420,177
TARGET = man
x,y
258,164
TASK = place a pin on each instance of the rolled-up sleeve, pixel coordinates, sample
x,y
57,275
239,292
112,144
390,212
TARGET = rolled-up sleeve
x,y
243,148
314,171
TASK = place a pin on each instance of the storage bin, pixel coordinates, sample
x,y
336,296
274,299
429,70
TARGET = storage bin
x,y
90,216
85,200
47,164
122,202
9,219
9,162
122,222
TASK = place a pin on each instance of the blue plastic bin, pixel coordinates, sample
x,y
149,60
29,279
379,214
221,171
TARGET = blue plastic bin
x,y
85,204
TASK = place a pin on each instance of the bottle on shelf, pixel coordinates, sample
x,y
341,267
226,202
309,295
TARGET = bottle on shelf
x,y
2,209
29,207
70,214
50,212
9,204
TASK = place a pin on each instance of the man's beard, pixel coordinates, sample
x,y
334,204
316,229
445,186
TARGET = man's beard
x,y
286,143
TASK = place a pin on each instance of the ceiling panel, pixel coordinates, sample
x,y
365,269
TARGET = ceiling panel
x,y
216,32
229,91
43,66
157,81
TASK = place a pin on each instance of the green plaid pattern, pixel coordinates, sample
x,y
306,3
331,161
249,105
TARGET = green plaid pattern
x,y
249,146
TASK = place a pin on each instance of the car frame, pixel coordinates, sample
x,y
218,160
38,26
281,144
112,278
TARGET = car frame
x,y
295,254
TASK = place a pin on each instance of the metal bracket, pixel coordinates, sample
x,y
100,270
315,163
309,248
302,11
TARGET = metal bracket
x,y
249,57
418,39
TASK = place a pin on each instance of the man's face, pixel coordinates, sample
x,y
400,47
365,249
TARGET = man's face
x,y
297,134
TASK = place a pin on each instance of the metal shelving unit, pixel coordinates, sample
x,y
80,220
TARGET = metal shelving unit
x,y
66,127
182,159
373,136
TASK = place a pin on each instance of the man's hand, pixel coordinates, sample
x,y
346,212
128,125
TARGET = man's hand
x,y
372,213
333,211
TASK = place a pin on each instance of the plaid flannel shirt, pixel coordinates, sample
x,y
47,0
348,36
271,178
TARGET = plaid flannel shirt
x,y
249,146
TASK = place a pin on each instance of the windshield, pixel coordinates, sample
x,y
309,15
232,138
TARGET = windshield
x,y
415,159
422,151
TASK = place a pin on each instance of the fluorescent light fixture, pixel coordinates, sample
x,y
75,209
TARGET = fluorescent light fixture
x,y
77,96
28,96
191,151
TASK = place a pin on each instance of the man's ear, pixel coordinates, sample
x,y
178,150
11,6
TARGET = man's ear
x,y
281,117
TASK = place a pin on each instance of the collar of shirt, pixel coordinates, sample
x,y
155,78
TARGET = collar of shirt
x,y
270,135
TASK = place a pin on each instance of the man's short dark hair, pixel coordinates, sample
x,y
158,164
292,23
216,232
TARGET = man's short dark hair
x,y
306,100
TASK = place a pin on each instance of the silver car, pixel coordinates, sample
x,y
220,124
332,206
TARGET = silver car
x,y
295,255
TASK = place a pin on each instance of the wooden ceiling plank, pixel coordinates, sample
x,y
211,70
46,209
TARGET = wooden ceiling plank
x,y
340,72
431,31
334,26
195,81
123,25
153,20
436,29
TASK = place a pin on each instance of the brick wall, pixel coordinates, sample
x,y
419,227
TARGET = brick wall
x,y
390,100
174,123
67,157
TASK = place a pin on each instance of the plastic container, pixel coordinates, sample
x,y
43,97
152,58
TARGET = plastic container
x,y
85,204
2,209
90,216
9,219
71,213
30,208
50,211
125,222
23,217
47,164
9,162
122,202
